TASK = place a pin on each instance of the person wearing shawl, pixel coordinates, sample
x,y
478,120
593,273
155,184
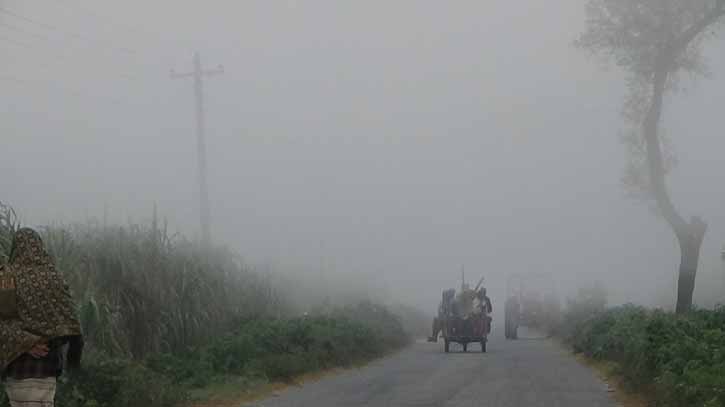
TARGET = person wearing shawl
x,y
37,321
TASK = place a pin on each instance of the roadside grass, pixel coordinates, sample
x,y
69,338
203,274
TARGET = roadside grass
x,y
231,391
237,390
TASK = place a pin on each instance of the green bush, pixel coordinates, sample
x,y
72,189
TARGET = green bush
x,y
282,349
106,382
680,359
270,349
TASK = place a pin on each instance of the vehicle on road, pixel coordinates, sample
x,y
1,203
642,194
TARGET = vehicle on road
x,y
465,318
465,330
532,302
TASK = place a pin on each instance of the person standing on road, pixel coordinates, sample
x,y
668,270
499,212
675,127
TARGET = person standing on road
x,y
37,321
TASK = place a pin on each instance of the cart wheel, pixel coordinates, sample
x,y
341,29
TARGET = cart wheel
x,y
447,346
465,347
483,346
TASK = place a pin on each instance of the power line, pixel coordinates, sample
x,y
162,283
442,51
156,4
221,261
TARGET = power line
x,y
58,57
20,30
51,40
65,62
50,27
37,23
64,89
26,82
108,20
16,42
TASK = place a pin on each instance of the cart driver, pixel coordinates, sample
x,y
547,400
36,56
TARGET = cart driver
x,y
484,302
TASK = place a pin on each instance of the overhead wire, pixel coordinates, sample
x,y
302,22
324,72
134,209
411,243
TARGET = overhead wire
x,y
22,24
64,89
125,27
16,42
21,30
58,56
50,85
161,41
50,27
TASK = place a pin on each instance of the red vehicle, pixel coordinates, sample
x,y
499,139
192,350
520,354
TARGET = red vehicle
x,y
537,303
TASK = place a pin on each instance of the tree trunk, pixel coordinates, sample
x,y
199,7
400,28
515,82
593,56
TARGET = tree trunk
x,y
690,241
689,235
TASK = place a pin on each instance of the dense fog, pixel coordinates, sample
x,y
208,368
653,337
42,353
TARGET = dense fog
x,y
374,146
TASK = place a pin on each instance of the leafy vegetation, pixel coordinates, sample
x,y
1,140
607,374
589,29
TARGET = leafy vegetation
x,y
276,350
163,315
677,359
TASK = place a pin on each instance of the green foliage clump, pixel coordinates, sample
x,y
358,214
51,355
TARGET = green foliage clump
x,y
113,382
106,382
274,349
589,302
264,349
679,359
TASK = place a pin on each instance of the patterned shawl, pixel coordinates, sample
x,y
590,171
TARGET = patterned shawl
x,y
44,308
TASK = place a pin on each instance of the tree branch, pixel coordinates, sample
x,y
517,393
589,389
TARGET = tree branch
x,y
663,67
690,34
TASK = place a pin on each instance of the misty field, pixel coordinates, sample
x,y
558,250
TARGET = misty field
x,y
162,316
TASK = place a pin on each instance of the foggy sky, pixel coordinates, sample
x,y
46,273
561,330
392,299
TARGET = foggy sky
x,y
397,140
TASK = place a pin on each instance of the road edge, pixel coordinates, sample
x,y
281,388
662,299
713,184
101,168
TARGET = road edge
x,y
261,391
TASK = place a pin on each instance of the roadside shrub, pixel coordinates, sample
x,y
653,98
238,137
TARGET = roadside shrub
x,y
282,349
679,359
119,383
106,382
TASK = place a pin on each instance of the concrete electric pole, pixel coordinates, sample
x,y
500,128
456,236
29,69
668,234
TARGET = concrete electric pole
x,y
198,75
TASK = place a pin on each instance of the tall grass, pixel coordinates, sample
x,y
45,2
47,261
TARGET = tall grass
x,y
8,224
141,290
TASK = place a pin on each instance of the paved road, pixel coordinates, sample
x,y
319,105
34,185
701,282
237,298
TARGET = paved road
x,y
524,373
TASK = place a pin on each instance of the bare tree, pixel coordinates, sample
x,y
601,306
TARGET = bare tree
x,y
655,42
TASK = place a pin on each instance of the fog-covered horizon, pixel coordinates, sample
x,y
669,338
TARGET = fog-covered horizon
x,y
392,140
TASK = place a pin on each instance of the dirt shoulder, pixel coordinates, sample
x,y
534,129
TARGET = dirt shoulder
x,y
238,391
607,372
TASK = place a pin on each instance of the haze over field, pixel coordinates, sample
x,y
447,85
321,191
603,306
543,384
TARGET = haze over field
x,y
388,142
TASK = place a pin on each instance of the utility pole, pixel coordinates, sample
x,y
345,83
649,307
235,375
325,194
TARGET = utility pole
x,y
463,277
722,258
198,75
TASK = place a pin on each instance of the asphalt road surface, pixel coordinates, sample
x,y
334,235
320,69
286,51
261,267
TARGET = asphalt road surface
x,y
524,373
